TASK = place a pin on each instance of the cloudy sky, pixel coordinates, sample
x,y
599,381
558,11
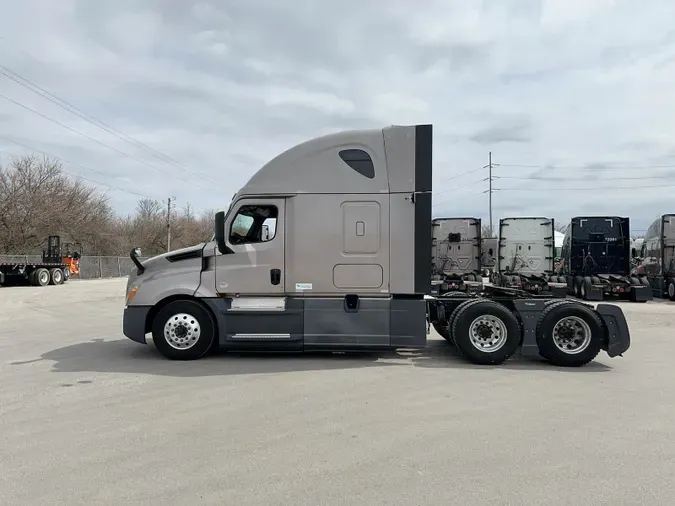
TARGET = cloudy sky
x,y
565,93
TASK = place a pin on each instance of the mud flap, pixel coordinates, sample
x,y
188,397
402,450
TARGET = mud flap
x,y
641,293
618,335
594,292
529,311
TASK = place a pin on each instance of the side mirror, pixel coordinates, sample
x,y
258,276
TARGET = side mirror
x,y
219,233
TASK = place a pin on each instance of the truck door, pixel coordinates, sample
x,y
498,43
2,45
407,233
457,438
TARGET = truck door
x,y
253,312
254,231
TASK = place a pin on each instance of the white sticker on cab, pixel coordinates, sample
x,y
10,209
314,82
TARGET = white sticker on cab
x,y
303,286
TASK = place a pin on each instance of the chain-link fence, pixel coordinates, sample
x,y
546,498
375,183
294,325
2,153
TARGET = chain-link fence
x,y
90,266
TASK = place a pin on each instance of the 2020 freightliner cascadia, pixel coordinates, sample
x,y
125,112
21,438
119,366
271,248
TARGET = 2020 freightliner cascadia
x,y
657,264
526,255
596,260
456,256
346,267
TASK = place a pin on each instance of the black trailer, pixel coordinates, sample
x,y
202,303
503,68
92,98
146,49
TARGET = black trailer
x,y
488,329
596,260
456,256
657,257
50,271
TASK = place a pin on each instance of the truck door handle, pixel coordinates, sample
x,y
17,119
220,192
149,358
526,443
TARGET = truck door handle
x,y
275,276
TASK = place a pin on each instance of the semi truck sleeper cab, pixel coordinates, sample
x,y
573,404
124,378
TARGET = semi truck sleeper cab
x,y
328,248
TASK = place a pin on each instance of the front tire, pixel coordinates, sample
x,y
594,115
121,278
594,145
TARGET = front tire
x,y
183,330
569,334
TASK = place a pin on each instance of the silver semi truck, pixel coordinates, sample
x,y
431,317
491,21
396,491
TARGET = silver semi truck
x,y
526,256
657,257
345,266
456,256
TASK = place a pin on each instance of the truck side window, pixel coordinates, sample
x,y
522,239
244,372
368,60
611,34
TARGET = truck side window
x,y
253,224
359,160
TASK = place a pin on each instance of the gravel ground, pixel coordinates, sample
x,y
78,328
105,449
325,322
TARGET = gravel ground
x,y
90,417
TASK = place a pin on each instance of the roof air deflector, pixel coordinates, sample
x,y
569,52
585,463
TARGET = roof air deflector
x,y
359,160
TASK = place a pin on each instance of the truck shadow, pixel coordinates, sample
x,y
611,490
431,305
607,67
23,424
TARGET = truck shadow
x,y
440,354
123,356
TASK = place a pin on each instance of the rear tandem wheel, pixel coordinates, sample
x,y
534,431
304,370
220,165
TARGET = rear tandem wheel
x,y
569,334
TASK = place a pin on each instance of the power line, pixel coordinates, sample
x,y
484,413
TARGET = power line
x,y
592,168
63,160
95,140
452,200
580,178
26,83
594,188
460,174
453,188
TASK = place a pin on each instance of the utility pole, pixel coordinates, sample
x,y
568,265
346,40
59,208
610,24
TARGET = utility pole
x,y
489,167
168,223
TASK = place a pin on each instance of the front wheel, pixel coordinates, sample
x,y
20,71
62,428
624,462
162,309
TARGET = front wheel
x,y
569,334
183,330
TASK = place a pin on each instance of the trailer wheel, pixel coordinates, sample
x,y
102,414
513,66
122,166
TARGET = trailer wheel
x,y
569,334
66,274
671,289
485,332
183,330
41,277
31,278
55,276
583,287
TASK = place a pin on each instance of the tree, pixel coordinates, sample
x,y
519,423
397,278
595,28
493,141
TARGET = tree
x,y
486,233
37,200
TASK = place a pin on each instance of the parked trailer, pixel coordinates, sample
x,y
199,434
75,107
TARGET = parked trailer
x,y
596,260
657,257
456,256
526,256
347,268
488,250
52,270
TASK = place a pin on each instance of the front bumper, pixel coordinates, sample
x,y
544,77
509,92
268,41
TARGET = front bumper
x,y
133,323
618,335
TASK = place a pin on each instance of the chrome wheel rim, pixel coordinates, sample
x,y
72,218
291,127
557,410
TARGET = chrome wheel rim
x,y
182,331
571,335
487,333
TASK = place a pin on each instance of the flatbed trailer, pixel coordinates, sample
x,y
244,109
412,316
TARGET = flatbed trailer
x,y
347,266
52,270
37,274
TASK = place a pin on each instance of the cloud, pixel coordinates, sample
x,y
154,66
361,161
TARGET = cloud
x,y
556,89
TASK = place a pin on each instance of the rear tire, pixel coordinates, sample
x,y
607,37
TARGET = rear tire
x,y
485,332
569,334
66,274
671,289
55,276
41,277
183,330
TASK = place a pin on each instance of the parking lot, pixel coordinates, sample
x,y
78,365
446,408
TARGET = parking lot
x,y
90,417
